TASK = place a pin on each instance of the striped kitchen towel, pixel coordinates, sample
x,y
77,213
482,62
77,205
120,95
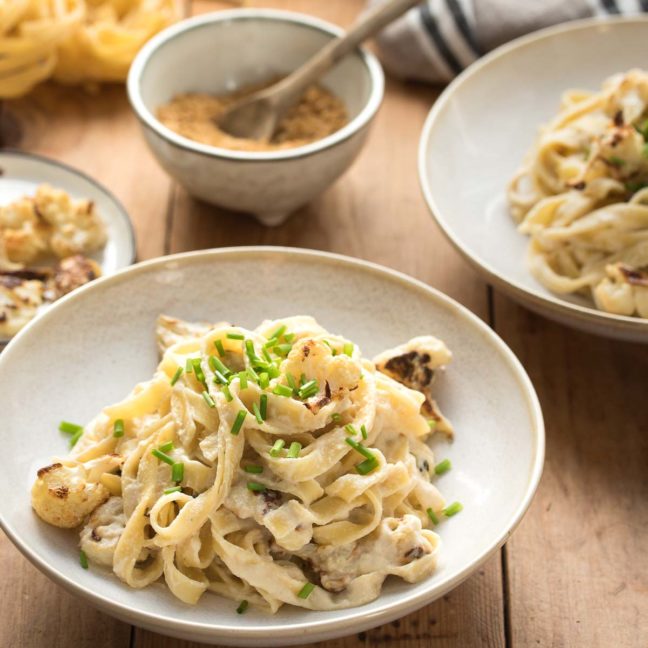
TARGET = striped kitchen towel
x,y
438,39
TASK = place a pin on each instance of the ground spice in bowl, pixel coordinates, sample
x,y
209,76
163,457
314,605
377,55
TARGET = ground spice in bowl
x,y
318,114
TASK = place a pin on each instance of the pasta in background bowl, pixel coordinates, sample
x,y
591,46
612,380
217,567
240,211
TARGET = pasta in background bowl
x,y
467,160
496,452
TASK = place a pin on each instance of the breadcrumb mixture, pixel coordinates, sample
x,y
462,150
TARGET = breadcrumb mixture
x,y
318,114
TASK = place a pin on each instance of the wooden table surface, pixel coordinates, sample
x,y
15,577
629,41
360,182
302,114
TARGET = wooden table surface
x,y
575,573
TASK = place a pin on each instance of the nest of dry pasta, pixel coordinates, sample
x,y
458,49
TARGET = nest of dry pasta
x,y
74,41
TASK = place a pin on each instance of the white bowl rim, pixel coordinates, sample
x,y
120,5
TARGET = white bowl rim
x,y
541,300
310,624
362,119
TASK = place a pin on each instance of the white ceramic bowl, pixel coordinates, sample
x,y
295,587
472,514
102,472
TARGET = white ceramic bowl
x,y
497,454
222,51
478,132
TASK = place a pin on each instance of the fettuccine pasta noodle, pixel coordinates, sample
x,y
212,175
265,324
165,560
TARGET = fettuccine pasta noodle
x,y
272,466
582,196
74,41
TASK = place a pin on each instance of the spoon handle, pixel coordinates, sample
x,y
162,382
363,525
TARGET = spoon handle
x,y
373,21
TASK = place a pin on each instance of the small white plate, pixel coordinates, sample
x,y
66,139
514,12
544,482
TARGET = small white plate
x,y
497,455
478,132
20,175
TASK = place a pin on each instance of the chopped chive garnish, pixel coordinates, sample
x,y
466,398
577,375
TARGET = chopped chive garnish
x,y
270,343
254,376
264,380
279,332
257,413
363,430
282,349
228,394
70,428
238,422
198,372
335,417
348,348
255,487
249,350
243,379
328,344
208,399
442,467
162,457
276,448
358,447
75,437
219,347
266,355
118,428
177,471
253,468
176,376
308,389
166,447
616,161
291,381
217,365
305,591
366,466
220,378
350,429
432,515
263,406
432,423
189,366
289,337
302,380
243,605
83,559
235,336
293,451
175,489
453,509
283,390
273,371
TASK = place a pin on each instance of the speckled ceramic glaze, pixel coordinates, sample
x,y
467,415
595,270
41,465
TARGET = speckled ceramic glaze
x,y
223,51
94,345
478,133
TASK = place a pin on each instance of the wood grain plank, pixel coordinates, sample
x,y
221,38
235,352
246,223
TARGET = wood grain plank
x,y
35,612
97,133
579,560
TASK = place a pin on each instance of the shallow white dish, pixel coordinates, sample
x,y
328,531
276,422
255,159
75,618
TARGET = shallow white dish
x,y
478,132
497,455
20,175
196,55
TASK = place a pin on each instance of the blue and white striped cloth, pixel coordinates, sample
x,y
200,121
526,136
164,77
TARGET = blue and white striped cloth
x,y
438,39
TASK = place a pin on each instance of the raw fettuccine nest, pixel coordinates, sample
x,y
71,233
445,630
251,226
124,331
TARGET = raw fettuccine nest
x,y
74,41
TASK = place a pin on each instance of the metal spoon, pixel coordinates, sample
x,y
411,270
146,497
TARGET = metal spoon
x,y
257,116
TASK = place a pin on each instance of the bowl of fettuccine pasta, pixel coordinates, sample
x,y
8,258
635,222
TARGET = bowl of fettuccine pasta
x,y
263,446
534,162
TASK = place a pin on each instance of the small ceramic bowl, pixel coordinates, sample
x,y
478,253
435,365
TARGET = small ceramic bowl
x,y
220,52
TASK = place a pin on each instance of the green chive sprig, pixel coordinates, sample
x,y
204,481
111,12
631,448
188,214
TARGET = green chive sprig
x,y
176,376
443,467
305,591
255,487
177,471
238,422
452,509
433,516
294,450
83,559
253,469
275,451
208,399
243,605
219,347
69,428
118,428
283,390
175,489
235,336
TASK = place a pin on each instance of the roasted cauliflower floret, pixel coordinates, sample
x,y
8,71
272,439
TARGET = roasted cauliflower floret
x,y
19,302
624,291
72,273
103,530
65,493
24,235
414,364
76,227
